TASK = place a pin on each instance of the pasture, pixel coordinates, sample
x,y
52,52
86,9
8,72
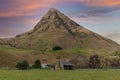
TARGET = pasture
x,y
59,75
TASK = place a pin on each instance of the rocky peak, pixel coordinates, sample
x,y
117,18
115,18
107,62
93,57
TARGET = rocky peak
x,y
55,19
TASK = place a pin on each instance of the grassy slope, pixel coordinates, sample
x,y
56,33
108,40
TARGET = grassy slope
x,y
87,52
15,50
60,75
5,49
10,56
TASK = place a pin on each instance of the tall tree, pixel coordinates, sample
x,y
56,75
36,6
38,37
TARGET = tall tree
x,y
37,64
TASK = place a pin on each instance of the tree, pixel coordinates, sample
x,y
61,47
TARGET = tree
x,y
115,63
22,65
80,62
105,63
57,48
94,62
37,64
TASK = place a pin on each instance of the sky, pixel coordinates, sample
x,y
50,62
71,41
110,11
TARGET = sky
x,y
100,16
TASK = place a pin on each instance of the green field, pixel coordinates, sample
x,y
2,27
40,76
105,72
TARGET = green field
x,y
60,75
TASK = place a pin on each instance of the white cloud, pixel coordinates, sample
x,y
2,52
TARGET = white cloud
x,y
114,36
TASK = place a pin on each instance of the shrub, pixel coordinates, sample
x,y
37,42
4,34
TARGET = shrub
x,y
94,62
22,65
37,64
57,48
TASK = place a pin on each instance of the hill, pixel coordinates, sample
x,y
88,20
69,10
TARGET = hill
x,y
54,29
57,29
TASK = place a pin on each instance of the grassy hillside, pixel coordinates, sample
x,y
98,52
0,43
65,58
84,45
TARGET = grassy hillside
x,y
60,75
14,50
10,56
87,52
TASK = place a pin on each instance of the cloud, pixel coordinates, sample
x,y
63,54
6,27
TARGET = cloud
x,y
12,26
24,7
84,20
98,12
114,36
100,3
34,7
87,10
97,3
10,32
96,20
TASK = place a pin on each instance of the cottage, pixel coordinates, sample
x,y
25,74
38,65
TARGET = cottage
x,y
48,66
51,66
44,66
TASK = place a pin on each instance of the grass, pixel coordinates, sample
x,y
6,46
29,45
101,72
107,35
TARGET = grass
x,y
73,51
86,52
11,49
60,75
14,50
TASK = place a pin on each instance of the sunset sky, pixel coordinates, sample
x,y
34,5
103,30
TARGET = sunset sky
x,y
100,16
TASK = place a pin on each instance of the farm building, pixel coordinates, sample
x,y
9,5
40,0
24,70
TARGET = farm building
x,y
64,65
48,66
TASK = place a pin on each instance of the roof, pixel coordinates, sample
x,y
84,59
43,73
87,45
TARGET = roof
x,y
65,63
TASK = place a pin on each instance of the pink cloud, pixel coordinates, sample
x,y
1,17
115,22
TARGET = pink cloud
x,y
100,2
29,7
25,7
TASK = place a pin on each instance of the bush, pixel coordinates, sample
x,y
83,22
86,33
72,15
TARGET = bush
x,y
37,64
57,48
115,63
22,65
94,62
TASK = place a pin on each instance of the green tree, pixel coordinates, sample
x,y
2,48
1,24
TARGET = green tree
x,y
37,64
23,65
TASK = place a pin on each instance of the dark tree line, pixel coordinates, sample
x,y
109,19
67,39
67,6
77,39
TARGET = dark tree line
x,y
80,62
23,65
96,62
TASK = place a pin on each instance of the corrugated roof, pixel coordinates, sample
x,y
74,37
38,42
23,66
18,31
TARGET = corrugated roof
x,y
65,63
